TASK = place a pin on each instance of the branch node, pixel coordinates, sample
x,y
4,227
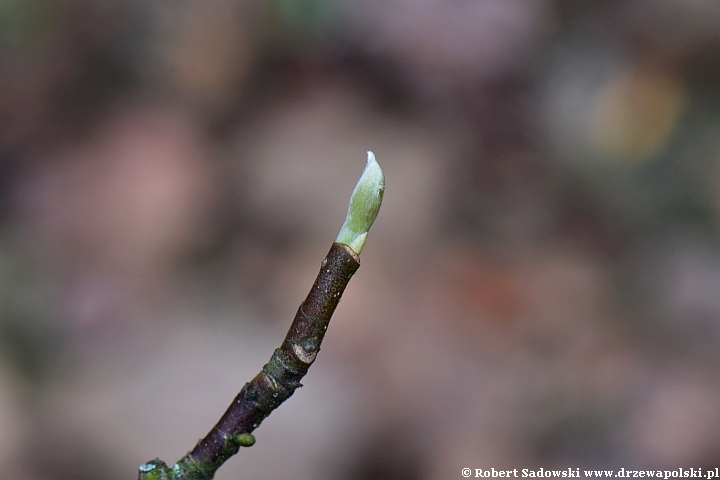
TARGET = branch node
x,y
305,356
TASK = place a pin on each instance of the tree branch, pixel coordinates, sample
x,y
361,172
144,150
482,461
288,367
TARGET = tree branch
x,y
281,376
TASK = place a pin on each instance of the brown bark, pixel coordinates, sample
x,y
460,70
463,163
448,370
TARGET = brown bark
x,y
277,380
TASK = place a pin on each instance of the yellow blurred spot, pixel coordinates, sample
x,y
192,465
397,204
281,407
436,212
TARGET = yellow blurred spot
x,y
635,113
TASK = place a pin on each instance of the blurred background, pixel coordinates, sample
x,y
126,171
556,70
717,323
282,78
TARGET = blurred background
x,y
541,287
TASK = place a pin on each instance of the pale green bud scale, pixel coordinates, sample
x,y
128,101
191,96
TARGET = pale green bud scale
x,y
364,206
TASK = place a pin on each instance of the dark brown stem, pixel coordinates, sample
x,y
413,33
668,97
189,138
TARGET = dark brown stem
x,y
277,380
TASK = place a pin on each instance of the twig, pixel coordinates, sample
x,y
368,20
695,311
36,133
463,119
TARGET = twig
x,y
281,376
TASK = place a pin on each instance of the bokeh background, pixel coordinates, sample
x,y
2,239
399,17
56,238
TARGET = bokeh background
x,y
541,288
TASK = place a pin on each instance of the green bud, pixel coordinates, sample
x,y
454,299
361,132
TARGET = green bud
x,y
364,206
245,439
